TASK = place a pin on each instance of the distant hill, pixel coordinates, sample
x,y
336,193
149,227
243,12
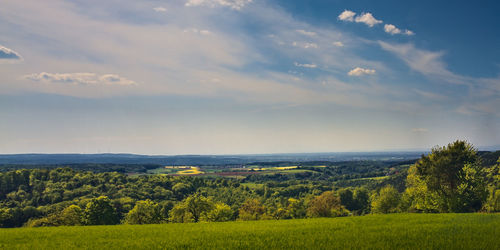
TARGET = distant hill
x,y
37,159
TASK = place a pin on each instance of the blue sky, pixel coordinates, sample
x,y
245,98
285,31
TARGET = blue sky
x,y
247,76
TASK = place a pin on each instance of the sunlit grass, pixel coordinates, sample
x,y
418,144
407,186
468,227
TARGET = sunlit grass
x,y
398,231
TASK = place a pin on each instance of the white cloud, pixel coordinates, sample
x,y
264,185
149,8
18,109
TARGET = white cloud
x,y
80,78
9,54
347,15
305,65
159,9
368,19
409,33
338,44
306,33
233,4
361,71
419,130
391,29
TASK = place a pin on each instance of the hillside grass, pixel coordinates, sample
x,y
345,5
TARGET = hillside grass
x,y
396,231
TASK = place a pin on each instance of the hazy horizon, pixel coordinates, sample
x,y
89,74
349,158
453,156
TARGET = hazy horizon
x,y
225,77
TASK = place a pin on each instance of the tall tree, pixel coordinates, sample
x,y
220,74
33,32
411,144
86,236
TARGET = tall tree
x,y
386,200
144,212
99,211
251,209
191,209
326,205
449,178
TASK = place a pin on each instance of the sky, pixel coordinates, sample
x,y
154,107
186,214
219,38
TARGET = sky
x,y
247,76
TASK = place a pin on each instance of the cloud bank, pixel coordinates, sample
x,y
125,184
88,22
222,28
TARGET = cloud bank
x,y
233,4
80,78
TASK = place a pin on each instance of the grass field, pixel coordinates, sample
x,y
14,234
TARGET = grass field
x,y
398,231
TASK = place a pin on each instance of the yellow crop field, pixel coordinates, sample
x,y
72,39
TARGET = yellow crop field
x,y
286,168
190,171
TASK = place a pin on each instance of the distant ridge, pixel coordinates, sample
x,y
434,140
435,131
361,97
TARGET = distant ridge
x,y
119,158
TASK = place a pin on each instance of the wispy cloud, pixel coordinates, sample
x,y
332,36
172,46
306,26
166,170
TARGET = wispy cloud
x,y
305,65
80,78
197,31
306,45
233,4
419,130
368,19
306,33
428,63
361,71
391,29
430,95
160,9
7,54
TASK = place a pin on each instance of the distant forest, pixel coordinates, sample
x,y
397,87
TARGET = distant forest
x,y
454,178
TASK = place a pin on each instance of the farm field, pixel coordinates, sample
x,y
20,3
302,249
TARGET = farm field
x,y
396,231
238,172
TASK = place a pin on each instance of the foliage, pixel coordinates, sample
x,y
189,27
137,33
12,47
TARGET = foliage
x,y
144,212
386,200
450,179
64,196
220,212
251,209
99,211
191,209
358,202
492,204
71,216
326,205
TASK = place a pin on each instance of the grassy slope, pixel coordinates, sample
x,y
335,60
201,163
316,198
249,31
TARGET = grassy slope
x,y
416,231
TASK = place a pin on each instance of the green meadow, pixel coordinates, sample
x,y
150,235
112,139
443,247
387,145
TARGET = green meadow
x,y
394,231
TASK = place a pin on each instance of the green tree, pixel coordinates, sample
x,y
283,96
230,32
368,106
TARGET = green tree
x,y
386,200
220,212
99,211
296,208
347,199
417,196
71,216
492,204
251,209
326,205
362,201
191,209
144,212
5,217
449,179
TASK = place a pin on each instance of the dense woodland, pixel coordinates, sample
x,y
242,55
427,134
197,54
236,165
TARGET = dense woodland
x,y
454,178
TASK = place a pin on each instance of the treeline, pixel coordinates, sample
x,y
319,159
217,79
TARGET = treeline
x,y
450,179
94,167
